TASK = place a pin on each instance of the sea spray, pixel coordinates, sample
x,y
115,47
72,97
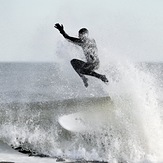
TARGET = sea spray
x,y
138,113
135,132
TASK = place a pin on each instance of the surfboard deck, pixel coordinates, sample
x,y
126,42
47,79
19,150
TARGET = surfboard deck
x,y
97,116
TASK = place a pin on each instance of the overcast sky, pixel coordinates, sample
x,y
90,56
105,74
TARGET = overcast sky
x,y
132,28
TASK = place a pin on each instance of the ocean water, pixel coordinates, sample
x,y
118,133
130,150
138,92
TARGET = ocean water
x,y
34,95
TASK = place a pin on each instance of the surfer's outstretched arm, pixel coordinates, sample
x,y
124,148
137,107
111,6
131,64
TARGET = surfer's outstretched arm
x,y
66,36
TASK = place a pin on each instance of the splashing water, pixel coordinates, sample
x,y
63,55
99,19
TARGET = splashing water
x,y
137,113
134,134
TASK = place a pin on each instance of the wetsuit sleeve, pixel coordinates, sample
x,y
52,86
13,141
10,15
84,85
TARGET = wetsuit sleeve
x,y
74,40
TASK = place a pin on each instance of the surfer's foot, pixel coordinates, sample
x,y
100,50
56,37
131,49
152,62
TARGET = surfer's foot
x,y
85,80
104,79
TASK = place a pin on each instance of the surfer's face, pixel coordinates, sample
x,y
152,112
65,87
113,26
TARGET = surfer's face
x,y
83,35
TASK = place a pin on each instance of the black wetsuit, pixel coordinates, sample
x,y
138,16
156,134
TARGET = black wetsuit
x,y
92,61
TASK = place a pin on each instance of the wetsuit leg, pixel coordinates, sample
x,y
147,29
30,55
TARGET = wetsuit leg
x,y
78,66
83,68
88,70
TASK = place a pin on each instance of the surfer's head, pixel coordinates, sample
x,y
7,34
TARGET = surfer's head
x,y
83,33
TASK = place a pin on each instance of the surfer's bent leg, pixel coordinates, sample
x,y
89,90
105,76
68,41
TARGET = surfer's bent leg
x,y
77,65
83,68
95,74
88,69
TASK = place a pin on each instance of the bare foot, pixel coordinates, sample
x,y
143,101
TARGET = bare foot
x,y
104,79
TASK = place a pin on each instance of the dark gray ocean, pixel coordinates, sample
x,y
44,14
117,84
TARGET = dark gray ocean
x,y
34,95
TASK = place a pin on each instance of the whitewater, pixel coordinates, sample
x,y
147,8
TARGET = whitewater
x,y
35,95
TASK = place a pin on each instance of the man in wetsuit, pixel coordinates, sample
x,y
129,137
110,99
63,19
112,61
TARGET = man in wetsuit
x,y
90,50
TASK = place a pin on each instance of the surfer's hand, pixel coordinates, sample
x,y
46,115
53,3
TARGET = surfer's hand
x,y
59,27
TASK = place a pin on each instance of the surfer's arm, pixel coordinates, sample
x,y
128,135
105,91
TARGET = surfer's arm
x,y
66,36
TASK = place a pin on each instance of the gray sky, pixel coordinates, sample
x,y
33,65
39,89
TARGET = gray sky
x,y
132,28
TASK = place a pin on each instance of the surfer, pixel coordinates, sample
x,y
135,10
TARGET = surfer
x,y
90,50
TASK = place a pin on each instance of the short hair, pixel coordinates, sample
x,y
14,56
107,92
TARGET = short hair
x,y
83,31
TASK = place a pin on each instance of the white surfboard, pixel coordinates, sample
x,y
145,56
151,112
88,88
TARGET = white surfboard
x,y
96,117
